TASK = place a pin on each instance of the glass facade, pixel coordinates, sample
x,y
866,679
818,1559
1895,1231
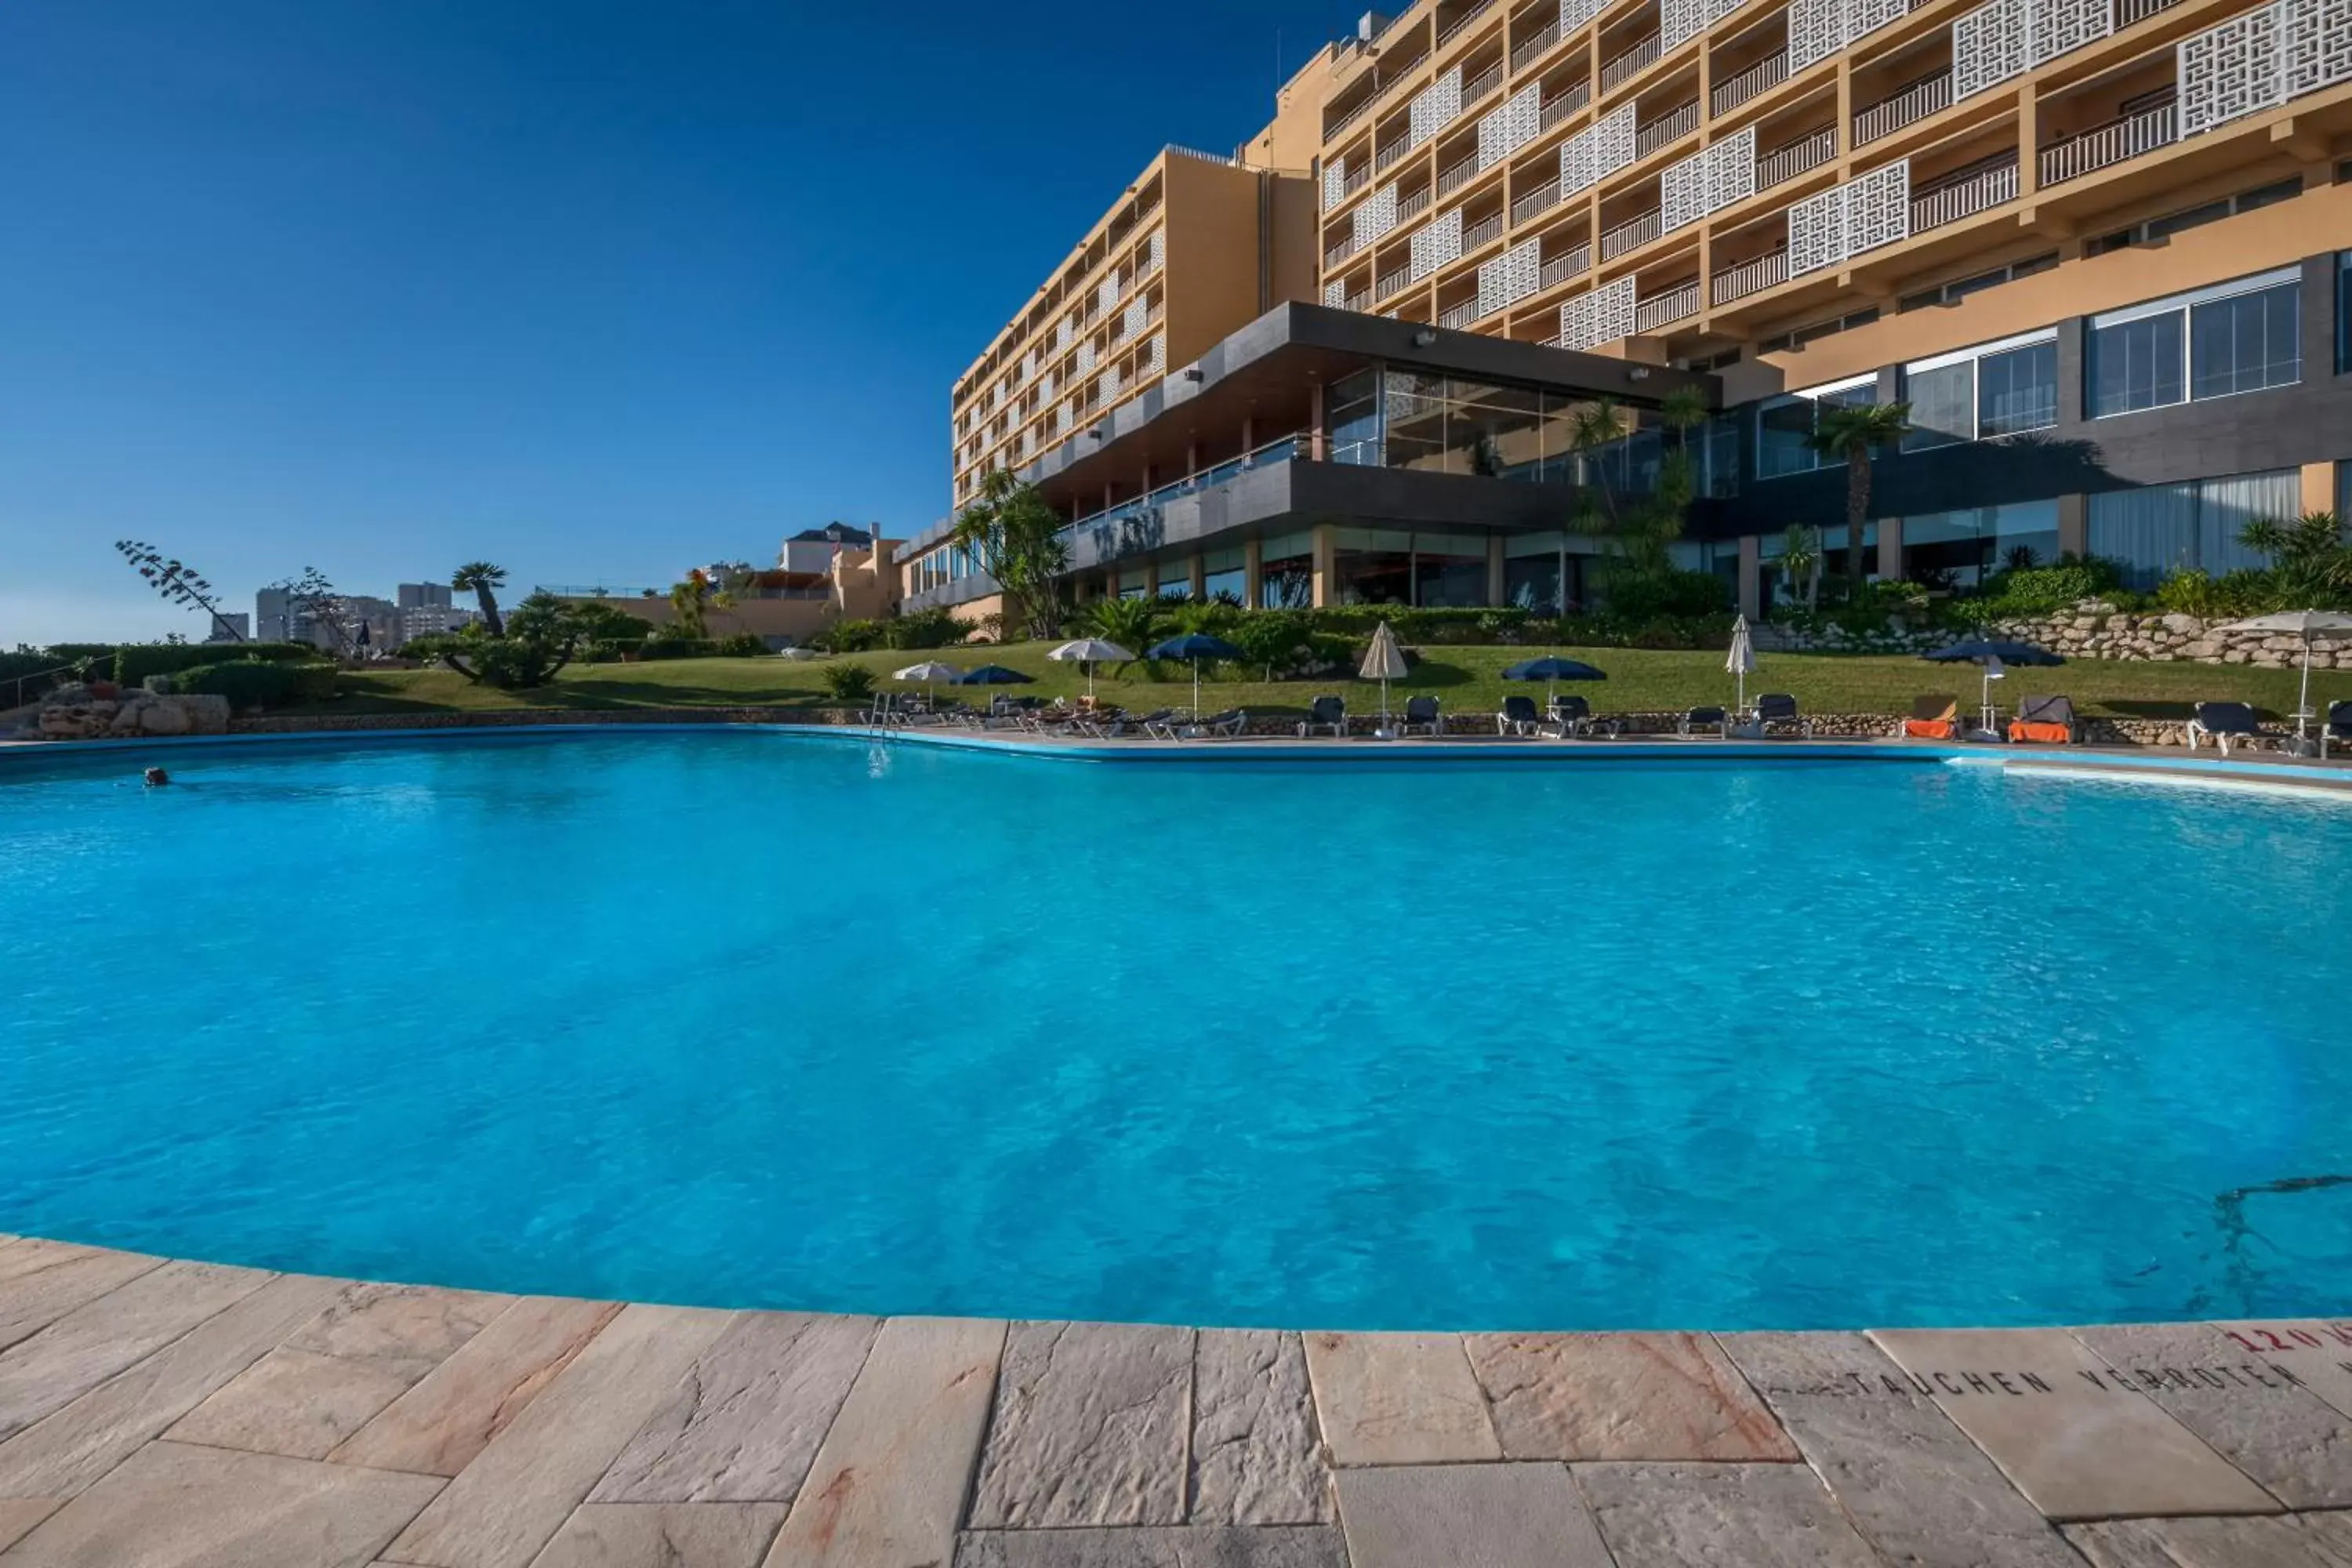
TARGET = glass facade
x,y
1452,424
1996,389
1961,549
1224,572
1784,425
1287,573
2234,337
2155,529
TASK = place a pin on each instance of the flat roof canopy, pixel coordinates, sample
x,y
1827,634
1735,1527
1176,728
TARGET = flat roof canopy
x,y
1265,374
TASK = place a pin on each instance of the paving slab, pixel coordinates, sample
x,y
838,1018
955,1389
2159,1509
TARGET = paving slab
x,y
66,1452
1715,1515
2317,1350
1467,1516
456,1410
18,1515
1190,1546
173,1505
510,1502
1091,1427
1621,1396
41,1281
2247,1541
92,1343
1398,1399
2254,1413
745,1422
664,1535
1256,1458
2038,1402
1919,1491
888,1488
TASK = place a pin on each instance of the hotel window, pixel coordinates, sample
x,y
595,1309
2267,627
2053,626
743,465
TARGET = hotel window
x,y
2156,230
1993,389
1959,289
1130,583
1784,424
1175,580
2155,529
1287,573
1355,419
1224,572
2234,337
1965,547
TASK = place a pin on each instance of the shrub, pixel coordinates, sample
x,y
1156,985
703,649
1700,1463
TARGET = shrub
x,y
135,662
1669,594
849,636
260,683
741,645
848,682
667,645
2021,591
924,628
2190,592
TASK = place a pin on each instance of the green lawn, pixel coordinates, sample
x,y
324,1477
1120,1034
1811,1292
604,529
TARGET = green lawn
x,y
1467,680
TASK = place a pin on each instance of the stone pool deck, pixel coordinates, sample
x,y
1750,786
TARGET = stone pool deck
x,y
173,1414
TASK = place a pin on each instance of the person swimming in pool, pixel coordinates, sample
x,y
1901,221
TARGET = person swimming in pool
x,y
157,777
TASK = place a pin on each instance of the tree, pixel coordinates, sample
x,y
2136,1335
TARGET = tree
x,y
1854,433
1640,533
1800,562
689,600
313,598
178,583
1126,622
1016,537
536,642
483,580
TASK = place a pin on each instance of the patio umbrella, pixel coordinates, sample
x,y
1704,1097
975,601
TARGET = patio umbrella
x,y
1090,652
2310,625
993,675
1991,656
927,672
1550,670
1383,662
1196,646
1741,662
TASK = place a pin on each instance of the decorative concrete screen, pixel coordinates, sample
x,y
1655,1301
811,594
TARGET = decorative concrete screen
x,y
1707,181
1816,31
1377,215
1437,244
2261,60
1107,292
1817,232
1863,17
1597,315
1436,106
1063,331
1158,249
1511,276
1335,293
1575,14
1731,174
1680,19
2005,38
1155,359
1137,316
1086,355
1510,127
1865,213
1335,184
1612,142
2055,28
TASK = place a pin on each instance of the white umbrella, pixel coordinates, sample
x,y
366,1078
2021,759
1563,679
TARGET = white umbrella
x,y
928,672
1090,652
2310,625
1383,662
1742,660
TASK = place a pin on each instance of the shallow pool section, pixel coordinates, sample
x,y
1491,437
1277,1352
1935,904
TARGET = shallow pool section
x,y
748,1018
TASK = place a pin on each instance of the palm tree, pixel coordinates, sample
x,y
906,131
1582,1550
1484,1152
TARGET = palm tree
x,y
483,580
1854,433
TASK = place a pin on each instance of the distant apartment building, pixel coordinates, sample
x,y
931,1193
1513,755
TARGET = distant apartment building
x,y
2101,248
422,595
230,626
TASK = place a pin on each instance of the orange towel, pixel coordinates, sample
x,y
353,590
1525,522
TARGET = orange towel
x,y
1930,729
2046,734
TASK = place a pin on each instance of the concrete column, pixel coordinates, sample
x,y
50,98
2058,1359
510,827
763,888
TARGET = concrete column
x,y
1191,458
2073,526
1752,576
1317,444
1198,572
2319,486
1110,496
1326,574
1151,579
1495,580
1890,548
1249,433
1253,572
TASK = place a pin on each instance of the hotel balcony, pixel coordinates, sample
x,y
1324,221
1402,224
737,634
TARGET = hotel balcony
x,y
1453,23
1481,231
1630,235
2125,115
1565,102
1412,204
1752,61
1912,102
1964,192
1355,180
1801,155
1768,72
1525,52
1671,303
1535,203
1392,281
1628,63
1670,126
2111,143
1460,173
1752,276
1574,261
1394,153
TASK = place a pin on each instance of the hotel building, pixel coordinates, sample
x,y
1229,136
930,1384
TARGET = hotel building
x,y
2100,246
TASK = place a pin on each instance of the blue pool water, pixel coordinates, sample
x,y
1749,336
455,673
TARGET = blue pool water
x,y
752,1019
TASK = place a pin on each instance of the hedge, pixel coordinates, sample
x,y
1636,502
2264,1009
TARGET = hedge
x,y
135,662
260,683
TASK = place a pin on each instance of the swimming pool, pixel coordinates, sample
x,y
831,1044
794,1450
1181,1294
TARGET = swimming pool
x,y
752,1019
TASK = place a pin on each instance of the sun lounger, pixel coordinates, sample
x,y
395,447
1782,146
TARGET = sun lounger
x,y
1779,708
1933,718
1518,717
1127,724
1165,725
1699,718
1328,713
1420,714
2225,721
1226,725
2337,731
2043,720
1570,717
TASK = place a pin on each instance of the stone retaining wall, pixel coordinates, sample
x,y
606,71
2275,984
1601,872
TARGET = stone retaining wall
x,y
2093,630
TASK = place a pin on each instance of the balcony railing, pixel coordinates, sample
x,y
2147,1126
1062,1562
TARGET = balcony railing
x,y
1963,194
2111,143
1568,265
1340,252
1412,207
1768,72
2130,11
1454,30
1544,38
1479,86
1390,156
1391,282
1479,233
1676,303
1360,301
1348,186
1542,199
1805,153
1625,236
1671,126
1453,318
1565,104
1333,129
1749,276
1288,449
1640,58
1914,102
1461,174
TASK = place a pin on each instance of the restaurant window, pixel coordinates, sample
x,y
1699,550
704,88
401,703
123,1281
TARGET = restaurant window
x,y
1287,573
1994,389
1224,572
1355,419
1961,549
2154,530
2240,336
1784,424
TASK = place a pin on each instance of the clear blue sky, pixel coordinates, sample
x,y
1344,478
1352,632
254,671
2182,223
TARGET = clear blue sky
x,y
593,290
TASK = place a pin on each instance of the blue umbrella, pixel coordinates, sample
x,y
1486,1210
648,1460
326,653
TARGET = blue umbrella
x,y
1196,646
1552,668
1976,650
993,675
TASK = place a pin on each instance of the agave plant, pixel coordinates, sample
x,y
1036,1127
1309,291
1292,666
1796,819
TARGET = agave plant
x,y
1126,622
